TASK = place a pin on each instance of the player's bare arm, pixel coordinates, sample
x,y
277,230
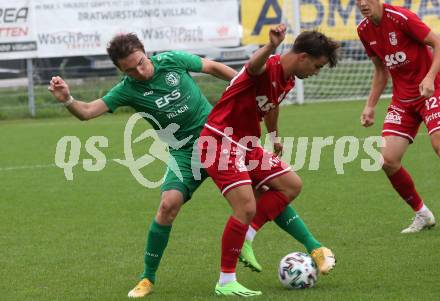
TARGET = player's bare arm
x,y
378,84
271,122
218,70
258,60
82,110
426,87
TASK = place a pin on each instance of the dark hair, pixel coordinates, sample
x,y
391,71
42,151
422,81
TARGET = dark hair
x,y
122,46
316,44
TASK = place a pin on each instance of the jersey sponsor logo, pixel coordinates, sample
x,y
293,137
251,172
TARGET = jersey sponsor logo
x,y
397,109
177,112
432,117
172,79
395,58
148,93
165,100
393,117
431,104
373,42
393,38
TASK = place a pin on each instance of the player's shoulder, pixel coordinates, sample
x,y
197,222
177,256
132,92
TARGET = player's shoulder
x,y
164,57
397,13
363,24
273,61
175,58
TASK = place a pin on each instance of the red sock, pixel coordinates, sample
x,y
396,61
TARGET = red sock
x,y
404,185
232,242
270,205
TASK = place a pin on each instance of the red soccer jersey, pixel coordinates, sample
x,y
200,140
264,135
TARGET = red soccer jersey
x,y
247,99
398,41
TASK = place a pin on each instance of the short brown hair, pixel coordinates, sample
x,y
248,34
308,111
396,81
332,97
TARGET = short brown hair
x,y
317,44
122,46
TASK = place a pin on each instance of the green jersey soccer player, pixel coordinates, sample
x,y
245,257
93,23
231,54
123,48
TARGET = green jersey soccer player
x,y
162,87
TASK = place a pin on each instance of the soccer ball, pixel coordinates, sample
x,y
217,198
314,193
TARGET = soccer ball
x,y
297,270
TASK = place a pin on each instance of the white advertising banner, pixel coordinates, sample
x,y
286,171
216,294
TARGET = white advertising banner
x,y
84,27
17,33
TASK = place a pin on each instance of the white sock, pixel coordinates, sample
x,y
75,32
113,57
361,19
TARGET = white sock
x,y
250,234
226,278
423,209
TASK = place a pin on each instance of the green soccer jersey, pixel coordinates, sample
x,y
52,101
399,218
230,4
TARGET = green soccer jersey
x,y
171,96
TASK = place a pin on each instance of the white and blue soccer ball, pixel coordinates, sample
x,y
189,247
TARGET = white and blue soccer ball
x,y
297,271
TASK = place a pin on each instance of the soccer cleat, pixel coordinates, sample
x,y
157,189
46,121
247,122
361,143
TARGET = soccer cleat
x,y
324,259
248,258
422,220
235,289
143,288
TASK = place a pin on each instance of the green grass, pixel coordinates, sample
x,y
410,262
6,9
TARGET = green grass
x,y
84,239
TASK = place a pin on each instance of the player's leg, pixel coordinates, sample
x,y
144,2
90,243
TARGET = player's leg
x,y
242,202
435,141
399,130
288,220
430,111
157,240
234,183
176,190
393,151
271,202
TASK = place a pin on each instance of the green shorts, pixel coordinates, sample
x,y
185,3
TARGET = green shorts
x,y
184,173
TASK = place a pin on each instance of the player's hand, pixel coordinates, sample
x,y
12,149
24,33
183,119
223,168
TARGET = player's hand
x,y
59,89
367,116
278,149
426,87
277,35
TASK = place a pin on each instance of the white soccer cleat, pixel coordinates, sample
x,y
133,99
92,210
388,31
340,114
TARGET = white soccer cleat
x,y
422,220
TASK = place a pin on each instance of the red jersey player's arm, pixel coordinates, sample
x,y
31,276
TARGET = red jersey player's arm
x,y
378,84
427,85
81,110
218,70
257,62
271,122
379,81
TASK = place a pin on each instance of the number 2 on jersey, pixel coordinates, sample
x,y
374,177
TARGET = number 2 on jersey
x,y
431,103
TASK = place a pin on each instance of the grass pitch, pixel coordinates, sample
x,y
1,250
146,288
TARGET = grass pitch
x,y
84,239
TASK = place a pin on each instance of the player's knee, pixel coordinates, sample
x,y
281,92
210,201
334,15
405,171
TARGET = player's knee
x,y
436,143
247,211
437,150
168,210
294,189
390,165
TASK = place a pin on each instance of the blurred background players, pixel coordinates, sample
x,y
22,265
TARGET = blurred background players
x,y
397,42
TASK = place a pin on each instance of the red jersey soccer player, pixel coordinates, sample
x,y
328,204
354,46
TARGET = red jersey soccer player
x,y
397,40
237,164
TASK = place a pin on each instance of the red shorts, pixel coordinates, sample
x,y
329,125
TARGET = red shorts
x,y
231,165
403,118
